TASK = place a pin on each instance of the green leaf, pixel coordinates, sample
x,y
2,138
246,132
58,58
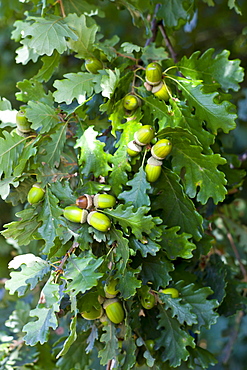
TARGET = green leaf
x,y
33,269
48,34
217,116
83,46
179,209
93,159
210,68
70,339
50,65
172,12
122,249
145,246
182,311
24,229
173,338
138,194
49,216
201,356
156,270
73,359
42,116
109,82
75,86
51,148
110,349
33,90
128,219
128,283
202,178
201,306
39,330
177,245
80,272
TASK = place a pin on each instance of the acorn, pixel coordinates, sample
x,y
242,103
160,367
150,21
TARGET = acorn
x,y
133,149
153,73
22,123
114,310
171,291
148,301
144,135
110,288
162,91
93,65
93,313
84,201
153,169
99,221
35,194
75,214
131,102
161,149
104,201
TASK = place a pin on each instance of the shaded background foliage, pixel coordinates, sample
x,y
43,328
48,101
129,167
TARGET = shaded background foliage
x,y
215,27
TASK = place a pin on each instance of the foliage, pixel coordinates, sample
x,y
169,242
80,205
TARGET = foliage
x,y
186,230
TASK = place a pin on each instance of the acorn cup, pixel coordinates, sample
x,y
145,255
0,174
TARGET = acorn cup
x,y
153,73
162,91
75,214
84,201
99,221
133,149
144,135
35,194
110,288
161,149
153,169
93,313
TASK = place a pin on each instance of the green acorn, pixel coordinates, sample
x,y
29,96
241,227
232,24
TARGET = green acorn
x,y
104,201
153,169
22,123
161,149
162,91
93,313
110,288
171,291
75,214
114,310
84,201
148,300
35,194
131,102
153,73
99,221
133,149
144,135
93,65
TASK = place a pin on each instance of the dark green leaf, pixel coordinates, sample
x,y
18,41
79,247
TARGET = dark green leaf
x,y
176,245
156,270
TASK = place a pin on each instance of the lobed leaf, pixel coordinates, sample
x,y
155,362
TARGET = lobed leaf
x,y
33,270
110,349
176,245
80,272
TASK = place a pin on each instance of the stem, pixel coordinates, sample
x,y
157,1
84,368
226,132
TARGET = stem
x,y
62,8
59,269
167,41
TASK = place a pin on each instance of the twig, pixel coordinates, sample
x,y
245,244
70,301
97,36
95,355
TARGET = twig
x,y
62,8
167,41
154,26
235,250
59,269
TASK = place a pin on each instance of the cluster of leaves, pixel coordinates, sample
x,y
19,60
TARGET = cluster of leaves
x,y
160,233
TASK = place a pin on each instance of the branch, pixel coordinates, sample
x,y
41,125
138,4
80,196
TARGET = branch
x,y
167,42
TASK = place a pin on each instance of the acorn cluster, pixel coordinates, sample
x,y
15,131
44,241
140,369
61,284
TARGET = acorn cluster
x,y
110,306
150,298
159,150
155,82
84,210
